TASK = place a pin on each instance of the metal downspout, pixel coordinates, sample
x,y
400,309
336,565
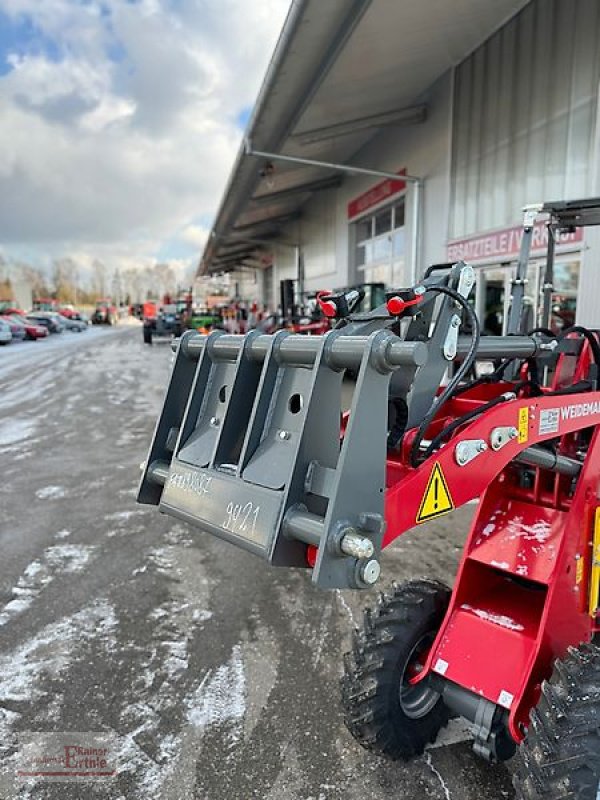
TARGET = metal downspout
x,y
417,193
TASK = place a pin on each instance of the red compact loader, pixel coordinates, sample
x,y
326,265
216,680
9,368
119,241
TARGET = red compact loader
x,y
248,447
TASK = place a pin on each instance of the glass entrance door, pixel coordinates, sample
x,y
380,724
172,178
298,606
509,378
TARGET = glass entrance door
x,y
564,295
492,294
379,255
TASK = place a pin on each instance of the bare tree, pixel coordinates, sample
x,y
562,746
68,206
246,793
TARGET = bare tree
x,y
99,278
65,274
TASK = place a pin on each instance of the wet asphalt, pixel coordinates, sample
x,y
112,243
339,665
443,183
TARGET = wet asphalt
x,y
216,676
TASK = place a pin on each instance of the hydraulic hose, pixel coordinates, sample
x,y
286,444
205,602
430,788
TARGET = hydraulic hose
x,y
587,334
458,376
576,388
438,440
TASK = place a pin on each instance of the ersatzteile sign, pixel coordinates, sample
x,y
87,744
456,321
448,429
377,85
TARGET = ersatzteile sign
x,y
504,245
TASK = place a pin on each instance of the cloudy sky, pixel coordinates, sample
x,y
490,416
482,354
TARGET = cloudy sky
x,y
120,120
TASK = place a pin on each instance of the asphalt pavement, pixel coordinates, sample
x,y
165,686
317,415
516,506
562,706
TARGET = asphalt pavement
x,y
216,675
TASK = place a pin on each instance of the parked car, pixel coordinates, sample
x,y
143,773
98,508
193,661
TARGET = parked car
x,y
70,312
18,332
73,324
10,309
48,319
32,331
5,332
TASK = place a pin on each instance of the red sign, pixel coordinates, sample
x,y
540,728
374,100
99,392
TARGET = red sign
x,y
375,195
504,245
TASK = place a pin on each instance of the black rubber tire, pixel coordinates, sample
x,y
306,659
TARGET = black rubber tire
x,y
560,757
374,668
147,336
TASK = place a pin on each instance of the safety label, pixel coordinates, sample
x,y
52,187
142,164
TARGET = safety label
x,y
436,499
523,425
549,421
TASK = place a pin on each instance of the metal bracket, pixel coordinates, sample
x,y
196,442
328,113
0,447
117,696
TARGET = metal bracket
x,y
451,340
492,740
531,213
466,280
468,449
502,436
319,480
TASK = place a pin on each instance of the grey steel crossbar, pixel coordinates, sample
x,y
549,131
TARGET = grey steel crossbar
x,y
343,352
346,350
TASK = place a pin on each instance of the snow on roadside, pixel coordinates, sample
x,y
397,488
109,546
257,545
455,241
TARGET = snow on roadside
x,y
49,652
56,560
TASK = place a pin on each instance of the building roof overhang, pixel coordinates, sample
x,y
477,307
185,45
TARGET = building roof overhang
x,y
341,71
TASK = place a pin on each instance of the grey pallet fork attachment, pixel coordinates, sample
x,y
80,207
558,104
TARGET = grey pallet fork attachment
x,y
248,444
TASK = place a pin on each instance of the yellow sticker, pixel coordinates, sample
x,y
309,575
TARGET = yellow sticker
x,y
523,424
579,570
595,581
437,499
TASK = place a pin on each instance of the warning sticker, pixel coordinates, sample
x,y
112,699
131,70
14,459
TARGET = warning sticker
x,y
549,420
523,424
436,500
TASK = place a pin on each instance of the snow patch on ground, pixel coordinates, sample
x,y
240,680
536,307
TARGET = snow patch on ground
x,y
346,607
221,697
457,730
69,557
16,430
56,560
24,670
438,775
123,516
50,493
201,615
150,772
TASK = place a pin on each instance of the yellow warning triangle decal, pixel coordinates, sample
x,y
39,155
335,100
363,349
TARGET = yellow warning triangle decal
x,y
437,499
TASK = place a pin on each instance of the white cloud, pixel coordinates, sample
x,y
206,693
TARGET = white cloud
x,y
195,235
118,122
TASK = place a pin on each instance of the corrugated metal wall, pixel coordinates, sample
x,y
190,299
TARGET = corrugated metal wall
x,y
524,115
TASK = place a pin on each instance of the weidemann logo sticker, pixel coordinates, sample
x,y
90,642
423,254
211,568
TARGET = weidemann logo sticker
x,y
580,410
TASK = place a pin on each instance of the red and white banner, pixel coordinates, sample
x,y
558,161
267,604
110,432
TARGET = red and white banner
x,y
504,245
372,197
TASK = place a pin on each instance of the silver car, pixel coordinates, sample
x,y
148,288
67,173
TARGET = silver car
x,y
5,332
76,325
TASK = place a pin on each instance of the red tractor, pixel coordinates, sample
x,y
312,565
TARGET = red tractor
x,y
248,448
105,313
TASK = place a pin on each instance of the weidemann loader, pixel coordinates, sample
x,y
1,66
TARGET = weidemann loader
x,y
249,447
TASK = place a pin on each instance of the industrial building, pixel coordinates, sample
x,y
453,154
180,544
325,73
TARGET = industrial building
x,y
478,108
